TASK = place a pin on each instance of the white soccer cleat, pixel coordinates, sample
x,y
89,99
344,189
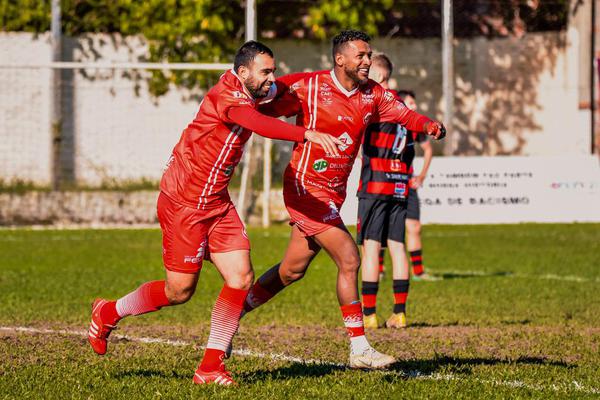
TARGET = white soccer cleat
x,y
371,359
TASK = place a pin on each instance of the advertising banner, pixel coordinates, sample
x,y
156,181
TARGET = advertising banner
x,y
482,190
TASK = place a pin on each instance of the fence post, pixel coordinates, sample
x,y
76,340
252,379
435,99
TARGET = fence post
x,y
55,97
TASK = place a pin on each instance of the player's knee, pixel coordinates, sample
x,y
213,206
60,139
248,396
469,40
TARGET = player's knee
x,y
414,226
350,264
179,295
291,276
242,281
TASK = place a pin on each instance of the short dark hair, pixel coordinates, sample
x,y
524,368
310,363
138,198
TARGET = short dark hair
x,y
404,93
346,36
383,61
246,54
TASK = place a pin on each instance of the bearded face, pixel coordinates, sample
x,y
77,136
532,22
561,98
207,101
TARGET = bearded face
x,y
259,76
257,87
357,61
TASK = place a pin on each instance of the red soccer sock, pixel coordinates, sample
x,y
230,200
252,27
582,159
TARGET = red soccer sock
x,y
149,297
416,259
369,297
400,294
257,296
224,323
353,321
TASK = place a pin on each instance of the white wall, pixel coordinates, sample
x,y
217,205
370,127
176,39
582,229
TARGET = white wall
x,y
513,97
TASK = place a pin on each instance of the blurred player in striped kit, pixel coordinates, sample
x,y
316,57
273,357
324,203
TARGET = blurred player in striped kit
x,y
387,198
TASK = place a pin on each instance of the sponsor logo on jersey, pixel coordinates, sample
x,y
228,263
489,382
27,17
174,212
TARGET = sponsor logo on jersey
x,y
239,95
325,90
397,177
295,87
367,97
346,139
341,166
320,165
400,189
396,165
334,213
342,118
197,259
388,96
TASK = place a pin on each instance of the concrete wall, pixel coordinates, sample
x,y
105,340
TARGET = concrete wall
x,y
513,96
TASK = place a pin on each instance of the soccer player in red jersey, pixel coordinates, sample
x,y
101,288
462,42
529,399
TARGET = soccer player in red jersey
x,y
197,217
342,101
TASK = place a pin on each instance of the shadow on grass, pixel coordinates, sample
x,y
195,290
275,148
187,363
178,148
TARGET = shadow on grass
x,y
456,323
149,373
414,368
400,370
470,275
440,325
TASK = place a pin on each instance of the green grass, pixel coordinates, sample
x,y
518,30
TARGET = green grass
x,y
516,315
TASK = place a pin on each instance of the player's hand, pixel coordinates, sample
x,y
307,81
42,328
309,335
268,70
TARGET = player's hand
x,y
435,129
417,181
327,142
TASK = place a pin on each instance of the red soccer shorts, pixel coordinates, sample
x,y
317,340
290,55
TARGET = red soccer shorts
x,y
312,213
190,234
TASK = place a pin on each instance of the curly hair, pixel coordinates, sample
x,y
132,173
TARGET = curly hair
x,y
346,36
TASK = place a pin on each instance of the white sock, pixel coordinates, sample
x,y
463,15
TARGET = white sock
x,y
359,344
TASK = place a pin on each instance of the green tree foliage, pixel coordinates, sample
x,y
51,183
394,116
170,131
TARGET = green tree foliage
x,y
333,15
211,30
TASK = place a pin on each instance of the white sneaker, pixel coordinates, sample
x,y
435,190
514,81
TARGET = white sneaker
x,y
371,359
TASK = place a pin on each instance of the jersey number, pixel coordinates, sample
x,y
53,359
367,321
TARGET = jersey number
x,y
400,140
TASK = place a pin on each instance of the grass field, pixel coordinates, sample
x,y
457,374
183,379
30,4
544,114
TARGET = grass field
x,y
516,315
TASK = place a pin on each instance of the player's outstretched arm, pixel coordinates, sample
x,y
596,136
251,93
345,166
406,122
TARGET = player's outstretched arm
x,y
393,110
264,125
273,128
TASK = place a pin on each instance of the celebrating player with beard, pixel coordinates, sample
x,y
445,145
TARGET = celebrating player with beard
x,y
198,219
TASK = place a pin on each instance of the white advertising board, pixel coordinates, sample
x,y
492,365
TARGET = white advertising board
x,y
481,190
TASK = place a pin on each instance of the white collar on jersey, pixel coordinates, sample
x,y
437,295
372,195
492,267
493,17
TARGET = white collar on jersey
x,y
340,87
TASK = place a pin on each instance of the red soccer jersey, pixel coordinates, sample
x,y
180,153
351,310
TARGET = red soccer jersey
x,y
202,163
323,104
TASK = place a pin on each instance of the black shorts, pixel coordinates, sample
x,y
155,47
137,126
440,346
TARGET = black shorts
x,y
380,220
413,207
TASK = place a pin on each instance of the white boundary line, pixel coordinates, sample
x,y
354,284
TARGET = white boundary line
x,y
574,386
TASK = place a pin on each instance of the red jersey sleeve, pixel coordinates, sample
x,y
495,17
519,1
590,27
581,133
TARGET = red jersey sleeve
x,y
285,82
265,126
389,109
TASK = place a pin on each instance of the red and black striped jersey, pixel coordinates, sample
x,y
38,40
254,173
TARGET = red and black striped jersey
x,y
387,154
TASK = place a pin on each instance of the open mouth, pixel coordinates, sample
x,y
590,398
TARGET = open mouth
x,y
266,86
363,72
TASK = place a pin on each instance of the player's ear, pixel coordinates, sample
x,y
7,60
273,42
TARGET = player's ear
x,y
243,72
339,59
